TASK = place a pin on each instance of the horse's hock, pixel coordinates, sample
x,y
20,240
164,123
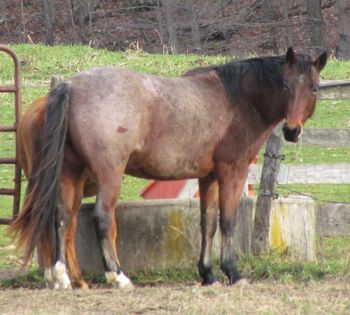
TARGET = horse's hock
x,y
166,233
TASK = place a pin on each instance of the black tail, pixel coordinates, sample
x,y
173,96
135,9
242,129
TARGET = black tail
x,y
36,223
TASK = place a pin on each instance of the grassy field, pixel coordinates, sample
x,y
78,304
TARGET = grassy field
x,y
39,63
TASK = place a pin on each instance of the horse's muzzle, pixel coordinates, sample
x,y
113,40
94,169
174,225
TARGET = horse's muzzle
x,y
293,134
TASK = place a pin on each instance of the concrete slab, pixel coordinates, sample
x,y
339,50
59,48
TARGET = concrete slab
x,y
166,233
333,219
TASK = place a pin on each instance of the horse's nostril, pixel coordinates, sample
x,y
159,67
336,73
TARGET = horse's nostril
x,y
291,134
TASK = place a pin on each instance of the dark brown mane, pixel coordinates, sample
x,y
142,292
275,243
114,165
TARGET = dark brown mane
x,y
259,72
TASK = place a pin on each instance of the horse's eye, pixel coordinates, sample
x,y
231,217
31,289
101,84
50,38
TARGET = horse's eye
x,y
315,89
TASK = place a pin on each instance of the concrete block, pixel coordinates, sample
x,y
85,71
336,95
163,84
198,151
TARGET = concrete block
x,y
333,219
157,234
293,227
166,233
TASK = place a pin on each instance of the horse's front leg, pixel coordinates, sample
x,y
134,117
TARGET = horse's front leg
x,y
231,183
208,190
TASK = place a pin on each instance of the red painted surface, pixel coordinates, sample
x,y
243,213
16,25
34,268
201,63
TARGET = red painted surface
x,y
168,189
158,189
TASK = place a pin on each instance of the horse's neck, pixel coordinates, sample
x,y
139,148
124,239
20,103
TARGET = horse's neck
x,y
269,106
262,118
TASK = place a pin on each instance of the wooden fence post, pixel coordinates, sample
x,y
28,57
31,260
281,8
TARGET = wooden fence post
x,y
55,80
266,195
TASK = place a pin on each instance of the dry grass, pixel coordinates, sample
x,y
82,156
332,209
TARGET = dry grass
x,y
325,297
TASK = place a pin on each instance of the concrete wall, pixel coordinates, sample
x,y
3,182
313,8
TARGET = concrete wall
x,y
333,219
166,233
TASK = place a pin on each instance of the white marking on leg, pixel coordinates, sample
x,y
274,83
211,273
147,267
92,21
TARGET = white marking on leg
x,y
48,276
61,277
120,280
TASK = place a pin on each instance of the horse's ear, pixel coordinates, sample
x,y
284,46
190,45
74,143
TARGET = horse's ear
x,y
320,61
290,56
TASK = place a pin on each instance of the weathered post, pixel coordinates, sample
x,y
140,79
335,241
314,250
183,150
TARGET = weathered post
x,y
266,195
55,80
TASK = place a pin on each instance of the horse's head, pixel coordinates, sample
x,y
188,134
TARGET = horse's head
x,y
300,83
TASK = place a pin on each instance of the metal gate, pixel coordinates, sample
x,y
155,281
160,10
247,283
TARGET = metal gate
x,y
14,191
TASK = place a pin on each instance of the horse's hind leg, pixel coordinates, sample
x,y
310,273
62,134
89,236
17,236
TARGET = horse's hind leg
x,y
72,261
60,275
208,189
70,198
104,218
71,256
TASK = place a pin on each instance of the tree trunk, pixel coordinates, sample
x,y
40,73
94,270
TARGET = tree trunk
x,y
288,29
3,16
49,17
315,22
2,11
23,23
169,13
160,30
70,22
343,49
271,15
196,38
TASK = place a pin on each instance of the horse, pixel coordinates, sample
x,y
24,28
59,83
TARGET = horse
x,y
208,124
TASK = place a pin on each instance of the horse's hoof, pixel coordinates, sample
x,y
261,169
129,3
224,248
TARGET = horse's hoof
x,y
60,276
62,286
128,287
119,281
82,286
243,282
216,284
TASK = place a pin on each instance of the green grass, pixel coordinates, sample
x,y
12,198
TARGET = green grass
x,y
330,114
319,192
333,262
32,280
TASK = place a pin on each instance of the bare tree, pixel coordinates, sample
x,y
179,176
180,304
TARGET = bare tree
x,y
196,37
285,8
271,17
343,49
23,23
3,16
172,32
71,24
49,19
160,30
2,11
315,22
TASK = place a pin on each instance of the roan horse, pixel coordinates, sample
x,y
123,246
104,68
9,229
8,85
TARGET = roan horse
x,y
208,124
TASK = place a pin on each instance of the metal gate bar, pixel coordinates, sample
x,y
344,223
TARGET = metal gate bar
x,y
16,89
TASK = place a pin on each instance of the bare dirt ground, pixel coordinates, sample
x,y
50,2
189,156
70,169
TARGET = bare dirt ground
x,y
322,297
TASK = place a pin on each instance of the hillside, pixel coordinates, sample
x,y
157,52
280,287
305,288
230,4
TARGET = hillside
x,y
237,28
